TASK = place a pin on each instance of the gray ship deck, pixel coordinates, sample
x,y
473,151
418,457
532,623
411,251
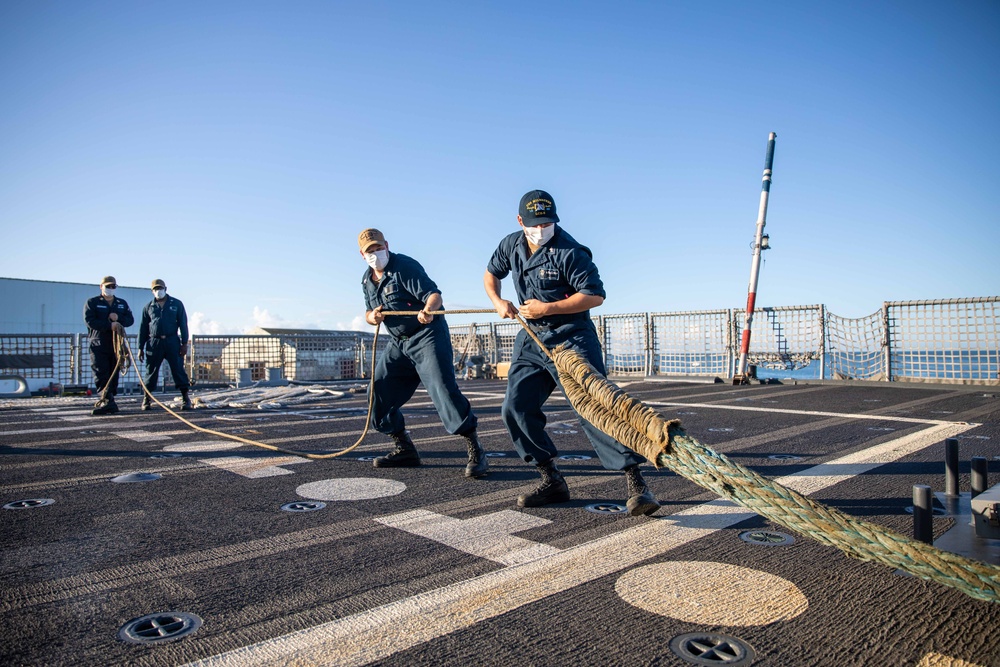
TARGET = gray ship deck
x,y
424,567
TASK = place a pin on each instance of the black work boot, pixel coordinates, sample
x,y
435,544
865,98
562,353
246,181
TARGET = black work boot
x,y
185,400
640,499
553,488
404,456
478,464
146,404
107,407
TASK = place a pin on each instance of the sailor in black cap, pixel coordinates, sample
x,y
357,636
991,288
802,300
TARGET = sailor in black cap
x,y
105,314
162,319
419,350
557,284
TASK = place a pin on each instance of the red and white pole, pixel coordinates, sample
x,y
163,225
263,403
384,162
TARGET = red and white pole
x,y
765,189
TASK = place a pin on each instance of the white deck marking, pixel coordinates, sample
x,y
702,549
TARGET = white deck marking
x,y
827,474
484,394
256,468
489,536
378,633
141,436
351,488
249,468
383,631
202,446
80,416
810,413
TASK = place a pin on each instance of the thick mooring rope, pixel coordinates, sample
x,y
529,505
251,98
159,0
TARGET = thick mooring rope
x,y
665,444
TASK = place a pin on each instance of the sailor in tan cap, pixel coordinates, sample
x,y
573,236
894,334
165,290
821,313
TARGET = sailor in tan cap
x,y
419,350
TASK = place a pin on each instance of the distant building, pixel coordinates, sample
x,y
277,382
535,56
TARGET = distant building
x,y
304,355
50,307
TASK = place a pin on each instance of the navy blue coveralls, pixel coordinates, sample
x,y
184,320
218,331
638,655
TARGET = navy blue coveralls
x,y
416,352
158,339
559,269
103,358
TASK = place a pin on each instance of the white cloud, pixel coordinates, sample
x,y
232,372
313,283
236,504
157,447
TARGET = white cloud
x,y
200,325
263,318
357,324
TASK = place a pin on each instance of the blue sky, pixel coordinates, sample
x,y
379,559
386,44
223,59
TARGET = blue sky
x,y
235,149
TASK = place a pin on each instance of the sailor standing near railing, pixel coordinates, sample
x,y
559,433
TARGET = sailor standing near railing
x,y
106,314
162,319
419,350
557,283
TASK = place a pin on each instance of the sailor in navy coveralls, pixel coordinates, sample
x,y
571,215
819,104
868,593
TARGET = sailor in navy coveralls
x,y
161,320
105,314
557,284
419,350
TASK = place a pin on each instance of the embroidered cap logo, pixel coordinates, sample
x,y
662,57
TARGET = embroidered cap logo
x,y
540,206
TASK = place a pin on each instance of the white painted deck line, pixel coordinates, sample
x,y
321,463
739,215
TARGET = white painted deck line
x,y
809,413
383,631
141,436
827,474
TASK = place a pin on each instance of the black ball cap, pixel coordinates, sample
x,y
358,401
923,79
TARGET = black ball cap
x,y
537,207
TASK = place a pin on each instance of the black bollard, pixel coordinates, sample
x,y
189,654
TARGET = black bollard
x,y
980,473
923,530
951,467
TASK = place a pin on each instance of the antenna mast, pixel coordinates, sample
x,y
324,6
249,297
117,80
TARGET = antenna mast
x,y
760,243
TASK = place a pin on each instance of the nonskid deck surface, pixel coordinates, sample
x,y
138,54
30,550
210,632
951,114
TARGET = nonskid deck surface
x,y
424,566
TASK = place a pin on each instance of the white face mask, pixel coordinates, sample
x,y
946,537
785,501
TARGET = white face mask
x,y
378,259
540,235
159,293
108,291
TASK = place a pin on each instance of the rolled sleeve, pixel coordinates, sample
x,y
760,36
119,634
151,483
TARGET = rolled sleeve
x,y
500,263
582,273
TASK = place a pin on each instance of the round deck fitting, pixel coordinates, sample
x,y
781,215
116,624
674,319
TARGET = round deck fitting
x,y
495,455
767,538
606,508
709,648
784,457
28,504
574,457
303,506
158,628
